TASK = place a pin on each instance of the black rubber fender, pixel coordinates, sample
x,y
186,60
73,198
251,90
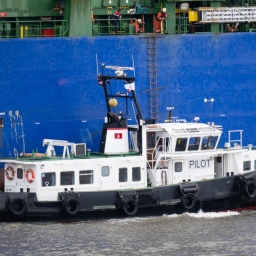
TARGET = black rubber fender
x,y
71,205
188,201
250,189
17,206
130,204
130,208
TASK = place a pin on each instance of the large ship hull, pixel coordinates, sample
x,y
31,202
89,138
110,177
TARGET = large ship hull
x,y
47,85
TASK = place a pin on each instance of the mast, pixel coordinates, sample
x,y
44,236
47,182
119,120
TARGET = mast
x,y
129,85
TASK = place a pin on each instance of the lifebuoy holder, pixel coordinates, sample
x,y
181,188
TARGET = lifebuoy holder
x,y
9,172
30,175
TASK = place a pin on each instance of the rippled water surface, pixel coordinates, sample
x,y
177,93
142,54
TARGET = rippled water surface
x,y
187,234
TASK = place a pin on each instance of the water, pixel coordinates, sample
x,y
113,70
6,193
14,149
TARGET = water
x,y
201,233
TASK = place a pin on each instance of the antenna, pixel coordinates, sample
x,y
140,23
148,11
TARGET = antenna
x,y
97,64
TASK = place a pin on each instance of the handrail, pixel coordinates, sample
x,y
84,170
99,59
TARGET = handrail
x,y
33,28
104,27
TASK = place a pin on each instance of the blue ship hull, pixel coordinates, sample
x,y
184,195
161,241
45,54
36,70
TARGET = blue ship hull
x,y
49,87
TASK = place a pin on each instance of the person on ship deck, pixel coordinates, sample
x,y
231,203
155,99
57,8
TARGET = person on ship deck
x,y
116,17
159,18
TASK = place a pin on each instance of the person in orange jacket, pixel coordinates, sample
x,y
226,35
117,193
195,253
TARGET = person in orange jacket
x,y
139,26
159,17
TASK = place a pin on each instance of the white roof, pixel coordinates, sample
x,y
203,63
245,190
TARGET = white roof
x,y
187,128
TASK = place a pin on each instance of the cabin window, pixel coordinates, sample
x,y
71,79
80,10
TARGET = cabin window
x,y
247,165
86,177
122,174
48,179
254,164
67,178
136,174
209,142
150,139
194,143
19,173
105,171
181,144
178,167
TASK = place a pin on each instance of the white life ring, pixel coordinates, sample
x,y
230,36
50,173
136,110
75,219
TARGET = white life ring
x,y
9,172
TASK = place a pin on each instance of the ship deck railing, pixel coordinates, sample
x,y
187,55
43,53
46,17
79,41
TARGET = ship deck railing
x,y
91,155
44,27
104,27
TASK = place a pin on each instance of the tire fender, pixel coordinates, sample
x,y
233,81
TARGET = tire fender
x,y
71,205
130,206
188,201
17,206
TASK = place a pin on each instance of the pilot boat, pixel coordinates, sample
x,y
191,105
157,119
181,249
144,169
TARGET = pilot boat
x,y
175,166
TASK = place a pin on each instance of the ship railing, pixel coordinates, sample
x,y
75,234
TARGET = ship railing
x,y
104,27
44,27
182,24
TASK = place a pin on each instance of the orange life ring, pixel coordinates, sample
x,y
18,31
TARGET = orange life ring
x,y
30,175
9,173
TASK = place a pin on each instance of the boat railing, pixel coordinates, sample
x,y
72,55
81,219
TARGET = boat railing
x,y
235,138
44,27
158,155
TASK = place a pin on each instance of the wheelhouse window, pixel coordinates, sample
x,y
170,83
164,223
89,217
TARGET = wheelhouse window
x,y
194,143
48,179
151,139
178,167
86,177
247,165
122,174
67,178
254,165
209,142
136,174
181,144
105,171
19,173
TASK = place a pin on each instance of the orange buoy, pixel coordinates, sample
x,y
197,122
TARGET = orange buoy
x,y
30,175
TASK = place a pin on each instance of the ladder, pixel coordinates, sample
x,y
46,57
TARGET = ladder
x,y
152,71
226,14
